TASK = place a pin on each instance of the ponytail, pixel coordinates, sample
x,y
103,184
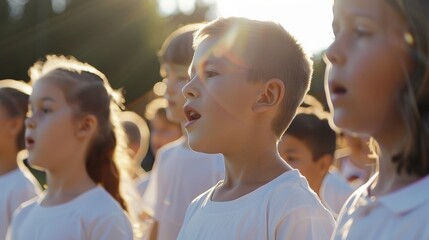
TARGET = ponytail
x,y
92,98
101,167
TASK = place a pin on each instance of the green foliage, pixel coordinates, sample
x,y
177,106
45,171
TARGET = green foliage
x,y
120,38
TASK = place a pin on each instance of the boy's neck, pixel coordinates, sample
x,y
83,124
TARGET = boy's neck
x,y
244,175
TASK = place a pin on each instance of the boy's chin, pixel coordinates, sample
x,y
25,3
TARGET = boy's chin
x,y
200,146
35,164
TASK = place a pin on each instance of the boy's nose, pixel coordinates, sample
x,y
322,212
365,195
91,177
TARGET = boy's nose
x,y
30,123
189,91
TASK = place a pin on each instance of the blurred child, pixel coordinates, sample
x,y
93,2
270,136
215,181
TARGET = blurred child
x,y
378,85
309,145
353,159
17,185
162,130
179,174
71,132
262,197
137,133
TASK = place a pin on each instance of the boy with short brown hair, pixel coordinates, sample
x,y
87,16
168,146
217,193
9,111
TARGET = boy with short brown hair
x,y
247,79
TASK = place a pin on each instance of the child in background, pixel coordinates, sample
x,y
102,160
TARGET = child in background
x,y
137,133
353,159
262,197
378,85
71,132
162,130
17,185
309,145
179,174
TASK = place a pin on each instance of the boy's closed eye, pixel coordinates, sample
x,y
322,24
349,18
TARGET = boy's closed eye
x,y
210,74
45,110
41,110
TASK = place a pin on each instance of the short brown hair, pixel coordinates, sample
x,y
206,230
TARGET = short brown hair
x,y
177,47
312,127
271,52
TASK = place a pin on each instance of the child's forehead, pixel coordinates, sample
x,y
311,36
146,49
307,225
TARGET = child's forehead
x,y
219,51
379,11
294,143
45,89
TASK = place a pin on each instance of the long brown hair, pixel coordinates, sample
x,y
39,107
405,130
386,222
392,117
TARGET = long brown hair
x,y
414,97
88,91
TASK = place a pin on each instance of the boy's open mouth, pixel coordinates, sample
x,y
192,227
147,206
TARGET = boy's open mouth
x,y
29,142
191,114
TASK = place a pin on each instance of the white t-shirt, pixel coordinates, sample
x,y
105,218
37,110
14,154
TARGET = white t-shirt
x,y
285,208
402,214
334,191
15,189
92,215
178,176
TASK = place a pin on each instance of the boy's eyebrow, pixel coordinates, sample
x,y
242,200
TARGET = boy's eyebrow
x,y
43,99
211,62
215,61
193,66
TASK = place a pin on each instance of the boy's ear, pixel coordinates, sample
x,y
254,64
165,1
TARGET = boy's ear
x,y
272,93
86,126
324,163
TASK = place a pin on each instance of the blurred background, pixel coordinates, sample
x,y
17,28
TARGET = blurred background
x,y
121,37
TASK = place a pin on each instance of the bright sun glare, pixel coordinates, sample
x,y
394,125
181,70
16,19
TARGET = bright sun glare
x,y
308,20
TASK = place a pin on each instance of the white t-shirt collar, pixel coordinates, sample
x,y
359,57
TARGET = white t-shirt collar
x,y
408,198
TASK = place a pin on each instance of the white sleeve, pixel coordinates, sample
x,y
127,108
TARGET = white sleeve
x,y
112,227
306,224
